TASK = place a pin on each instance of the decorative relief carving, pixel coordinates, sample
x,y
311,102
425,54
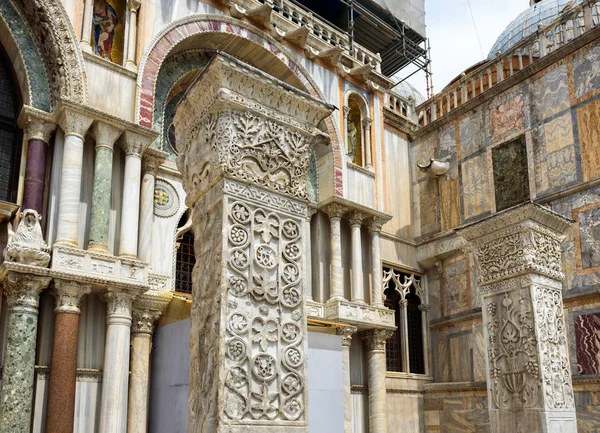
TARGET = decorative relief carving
x,y
375,338
68,295
118,303
143,321
23,290
27,245
346,332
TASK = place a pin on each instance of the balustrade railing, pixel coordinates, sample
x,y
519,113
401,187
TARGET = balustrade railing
x,y
398,104
571,24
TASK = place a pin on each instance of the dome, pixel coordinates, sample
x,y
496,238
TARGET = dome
x,y
527,23
407,90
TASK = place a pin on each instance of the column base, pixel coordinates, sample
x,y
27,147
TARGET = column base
x,y
86,46
65,243
99,249
131,66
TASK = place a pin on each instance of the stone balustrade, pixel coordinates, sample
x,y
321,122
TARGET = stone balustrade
x,y
573,23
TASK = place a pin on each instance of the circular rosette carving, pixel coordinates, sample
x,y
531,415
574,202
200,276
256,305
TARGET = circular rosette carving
x,y
238,324
292,252
239,259
292,383
237,286
237,378
266,257
240,213
290,332
291,230
291,273
266,225
236,349
264,366
238,235
290,297
293,408
292,358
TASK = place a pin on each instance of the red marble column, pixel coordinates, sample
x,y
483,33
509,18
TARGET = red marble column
x,y
38,129
60,413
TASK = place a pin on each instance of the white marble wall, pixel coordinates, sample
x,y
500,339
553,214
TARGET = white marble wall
x,y
360,411
87,183
361,187
39,403
45,329
110,91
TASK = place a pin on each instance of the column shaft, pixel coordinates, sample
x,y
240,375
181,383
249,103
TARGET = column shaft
x,y
336,275
86,27
357,265
113,406
308,255
404,336
346,333
377,295
376,371
133,6
131,207
35,176
367,141
425,335
137,419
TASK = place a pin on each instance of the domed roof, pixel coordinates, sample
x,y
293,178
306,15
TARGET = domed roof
x,y
527,23
406,90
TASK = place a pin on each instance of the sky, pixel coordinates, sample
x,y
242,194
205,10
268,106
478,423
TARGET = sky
x,y
453,39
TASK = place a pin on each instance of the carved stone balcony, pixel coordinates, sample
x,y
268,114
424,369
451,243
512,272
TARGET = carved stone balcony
x,y
361,315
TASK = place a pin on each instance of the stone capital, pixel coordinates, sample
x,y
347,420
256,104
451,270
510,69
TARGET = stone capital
x,y
375,338
23,290
105,134
366,123
335,210
375,224
74,123
152,160
403,303
346,111
424,308
346,332
37,125
147,308
118,303
356,218
143,321
68,295
134,144
133,5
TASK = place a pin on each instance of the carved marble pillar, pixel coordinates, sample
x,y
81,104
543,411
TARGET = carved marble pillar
x,y
22,293
133,144
518,258
151,160
336,273
105,136
115,384
346,332
86,26
132,6
358,292
38,127
147,309
426,339
376,371
404,350
374,226
75,125
237,153
60,412
366,124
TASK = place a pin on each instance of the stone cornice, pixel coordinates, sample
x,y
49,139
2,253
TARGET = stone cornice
x,y
399,122
352,206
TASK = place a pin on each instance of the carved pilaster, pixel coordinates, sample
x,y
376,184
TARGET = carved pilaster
x,y
68,295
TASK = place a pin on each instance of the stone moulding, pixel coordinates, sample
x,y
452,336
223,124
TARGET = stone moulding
x,y
363,316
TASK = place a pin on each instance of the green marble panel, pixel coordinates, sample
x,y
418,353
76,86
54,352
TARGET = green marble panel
x,y
100,213
511,178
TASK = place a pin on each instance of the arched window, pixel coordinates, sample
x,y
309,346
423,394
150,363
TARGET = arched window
x,y
354,132
186,259
10,134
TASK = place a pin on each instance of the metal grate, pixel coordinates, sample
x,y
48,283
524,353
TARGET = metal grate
x,y
185,263
415,335
393,353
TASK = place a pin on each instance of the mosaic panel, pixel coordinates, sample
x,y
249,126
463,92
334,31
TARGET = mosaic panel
x,y
587,337
108,29
551,93
457,285
511,178
587,238
588,119
507,117
586,72
475,188
472,135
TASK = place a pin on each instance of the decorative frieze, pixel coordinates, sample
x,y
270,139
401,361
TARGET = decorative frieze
x,y
359,314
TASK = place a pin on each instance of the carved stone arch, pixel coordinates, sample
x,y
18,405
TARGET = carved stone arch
x,y
57,41
176,32
360,99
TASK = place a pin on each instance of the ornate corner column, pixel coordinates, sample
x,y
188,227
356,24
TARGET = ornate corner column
x,y
133,144
308,255
245,143
75,125
115,383
147,308
346,332
366,124
60,412
86,26
358,292
518,258
151,160
336,273
376,371
22,293
374,226
105,135
38,126
133,7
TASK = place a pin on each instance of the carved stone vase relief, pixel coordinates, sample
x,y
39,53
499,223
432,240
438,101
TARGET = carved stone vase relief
x,y
246,141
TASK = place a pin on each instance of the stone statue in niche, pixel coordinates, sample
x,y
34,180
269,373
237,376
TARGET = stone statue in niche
x,y
105,21
27,245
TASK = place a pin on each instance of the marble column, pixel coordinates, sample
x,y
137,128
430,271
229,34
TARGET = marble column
x,y
115,383
75,125
147,309
376,371
60,411
366,124
518,259
336,273
22,296
86,26
425,335
151,160
346,332
105,136
404,350
38,128
308,256
133,145
374,226
358,292
133,6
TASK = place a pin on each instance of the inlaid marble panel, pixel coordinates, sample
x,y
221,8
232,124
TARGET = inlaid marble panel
x,y
550,93
587,338
475,188
472,134
428,207
457,285
586,72
507,117
588,119
587,237
447,141
449,204
511,178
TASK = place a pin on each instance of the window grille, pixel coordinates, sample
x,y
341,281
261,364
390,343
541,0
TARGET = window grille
x,y
393,352
415,335
185,263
